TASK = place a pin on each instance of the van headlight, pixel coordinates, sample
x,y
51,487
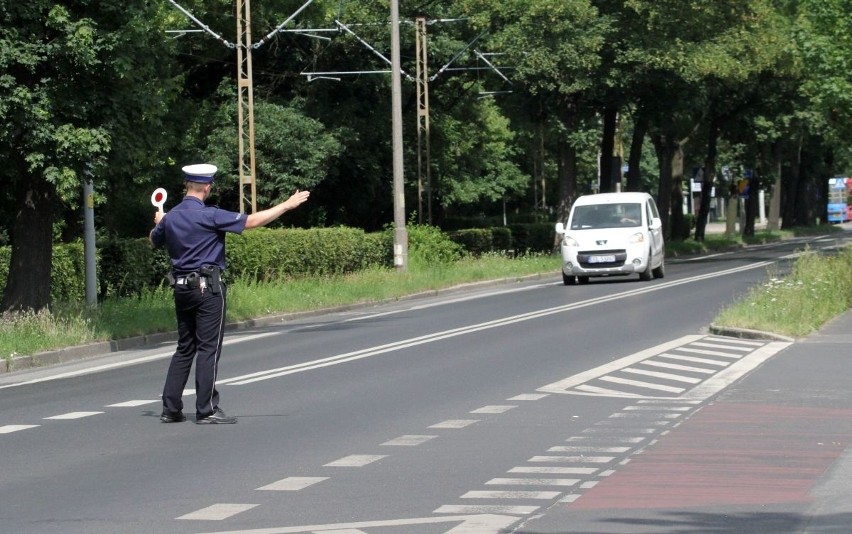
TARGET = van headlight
x,y
569,241
638,237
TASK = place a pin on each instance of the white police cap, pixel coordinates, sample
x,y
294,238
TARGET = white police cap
x,y
200,172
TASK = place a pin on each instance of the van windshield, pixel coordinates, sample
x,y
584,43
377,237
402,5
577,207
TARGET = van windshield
x,y
623,215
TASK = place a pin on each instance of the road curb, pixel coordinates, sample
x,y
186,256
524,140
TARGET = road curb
x,y
745,333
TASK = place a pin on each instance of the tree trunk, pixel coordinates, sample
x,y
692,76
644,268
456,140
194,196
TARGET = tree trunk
x,y
607,150
634,172
773,223
680,227
790,215
567,169
670,199
708,180
28,284
567,162
751,204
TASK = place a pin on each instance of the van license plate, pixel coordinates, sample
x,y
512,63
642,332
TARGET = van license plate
x,y
602,259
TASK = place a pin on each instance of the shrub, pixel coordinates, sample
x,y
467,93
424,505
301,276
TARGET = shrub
x,y
428,245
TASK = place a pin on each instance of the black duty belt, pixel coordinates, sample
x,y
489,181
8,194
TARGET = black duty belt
x,y
207,276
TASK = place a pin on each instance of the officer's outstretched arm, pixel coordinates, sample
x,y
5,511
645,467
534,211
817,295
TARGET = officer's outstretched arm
x,y
262,218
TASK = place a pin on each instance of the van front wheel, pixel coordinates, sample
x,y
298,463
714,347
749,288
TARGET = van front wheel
x,y
647,274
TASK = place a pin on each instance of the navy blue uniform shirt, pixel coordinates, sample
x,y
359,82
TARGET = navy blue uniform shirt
x,y
194,234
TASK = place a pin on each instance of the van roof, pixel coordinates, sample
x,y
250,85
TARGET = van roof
x,y
610,198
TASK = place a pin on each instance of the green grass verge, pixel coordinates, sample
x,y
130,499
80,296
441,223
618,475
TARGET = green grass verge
x,y
818,289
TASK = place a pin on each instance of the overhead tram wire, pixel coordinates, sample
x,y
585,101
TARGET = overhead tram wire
x,y
245,105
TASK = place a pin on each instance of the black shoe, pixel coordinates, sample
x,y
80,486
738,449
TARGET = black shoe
x,y
216,418
172,417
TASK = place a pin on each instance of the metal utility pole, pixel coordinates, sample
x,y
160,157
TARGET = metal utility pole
x,y
400,233
89,241
245,106
424,155
245,90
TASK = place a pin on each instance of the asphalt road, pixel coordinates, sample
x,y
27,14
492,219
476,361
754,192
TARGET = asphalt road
x,y
470,412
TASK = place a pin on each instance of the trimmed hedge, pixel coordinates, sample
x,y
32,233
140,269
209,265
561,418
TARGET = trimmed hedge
x,y
269,254
129,267
520,238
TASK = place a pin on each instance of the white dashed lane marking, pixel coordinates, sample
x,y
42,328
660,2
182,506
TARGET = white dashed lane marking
x,y
455,423
218,512
532,482
292,484
528,397
132,403
527,469
486,509
8,429
356,460
536,495
73,415
408,441
493,409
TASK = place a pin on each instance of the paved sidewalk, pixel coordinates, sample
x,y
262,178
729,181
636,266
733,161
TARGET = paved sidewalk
x,y
772,454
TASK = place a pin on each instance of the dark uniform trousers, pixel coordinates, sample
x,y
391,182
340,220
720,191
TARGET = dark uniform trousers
x,y
201,320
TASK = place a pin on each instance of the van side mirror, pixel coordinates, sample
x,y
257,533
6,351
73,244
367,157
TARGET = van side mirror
x,y
560,228
656,222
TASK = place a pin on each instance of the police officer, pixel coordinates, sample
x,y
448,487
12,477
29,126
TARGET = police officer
x,y
194,235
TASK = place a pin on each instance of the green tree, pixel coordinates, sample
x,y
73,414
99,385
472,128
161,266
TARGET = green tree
x,y
84,87
292,151
554,46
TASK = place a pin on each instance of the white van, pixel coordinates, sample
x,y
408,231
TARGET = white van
x,y
612,234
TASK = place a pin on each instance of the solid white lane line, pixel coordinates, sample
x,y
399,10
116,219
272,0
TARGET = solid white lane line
x,y
73,415
665,376
125,363
497,323
493,409
292,484
532,482
455,423
356,460
218,512
408,441
8,429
